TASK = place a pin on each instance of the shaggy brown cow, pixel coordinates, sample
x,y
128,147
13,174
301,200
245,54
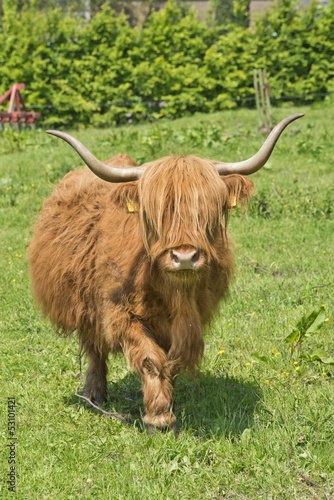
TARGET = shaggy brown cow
x,y
140,265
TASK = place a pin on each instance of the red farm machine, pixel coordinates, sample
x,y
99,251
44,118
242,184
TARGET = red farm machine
x,y
18,117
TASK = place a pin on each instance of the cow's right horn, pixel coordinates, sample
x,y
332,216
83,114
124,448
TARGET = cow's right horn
x,y
257,161
105,172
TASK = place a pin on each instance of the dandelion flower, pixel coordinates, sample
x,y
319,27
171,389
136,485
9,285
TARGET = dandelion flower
x,y
327,319
287,373
298,368
261,300
20,374
14,279
323,373
267,381
247,364
277,353
229,324
295,362
274,349
221,352
22,340
253,313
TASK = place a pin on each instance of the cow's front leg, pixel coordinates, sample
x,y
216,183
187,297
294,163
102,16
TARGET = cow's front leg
x,y
150,363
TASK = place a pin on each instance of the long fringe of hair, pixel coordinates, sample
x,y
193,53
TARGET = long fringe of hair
x,y
182,202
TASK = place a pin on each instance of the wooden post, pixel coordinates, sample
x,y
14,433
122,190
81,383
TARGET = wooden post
x,y
262,98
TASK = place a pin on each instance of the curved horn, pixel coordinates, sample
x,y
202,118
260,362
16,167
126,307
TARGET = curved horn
x,y
257,161
103,171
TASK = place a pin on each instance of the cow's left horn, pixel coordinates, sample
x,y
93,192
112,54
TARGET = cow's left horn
x,y
257,161
105,172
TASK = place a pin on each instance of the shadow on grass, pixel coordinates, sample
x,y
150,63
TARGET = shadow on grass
x,y
208,405
216,404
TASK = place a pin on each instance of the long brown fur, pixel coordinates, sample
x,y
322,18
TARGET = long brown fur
x,y
105,272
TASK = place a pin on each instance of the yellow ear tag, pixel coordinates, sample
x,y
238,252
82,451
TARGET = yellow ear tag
x,y
131,207
233,202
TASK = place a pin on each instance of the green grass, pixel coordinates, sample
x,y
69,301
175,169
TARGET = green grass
x,y
248,428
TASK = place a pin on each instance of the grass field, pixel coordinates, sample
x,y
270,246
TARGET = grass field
x,y
258,421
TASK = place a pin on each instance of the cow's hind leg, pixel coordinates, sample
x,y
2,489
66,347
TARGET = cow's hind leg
x,y
96,375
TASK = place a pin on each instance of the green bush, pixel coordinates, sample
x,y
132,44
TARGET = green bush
x,y
106,72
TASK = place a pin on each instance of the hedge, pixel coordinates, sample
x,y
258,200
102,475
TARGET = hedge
x,y
106,72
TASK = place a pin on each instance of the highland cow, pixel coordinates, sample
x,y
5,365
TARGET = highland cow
x,y
136,259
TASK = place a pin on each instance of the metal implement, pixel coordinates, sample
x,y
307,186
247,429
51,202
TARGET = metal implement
x,y
18,117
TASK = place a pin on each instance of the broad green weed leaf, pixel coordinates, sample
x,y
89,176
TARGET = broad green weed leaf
x,y
329,361
292,337
307,326
316,323
256,355
321,355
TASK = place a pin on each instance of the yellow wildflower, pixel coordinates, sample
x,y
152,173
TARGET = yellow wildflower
x,y
221,352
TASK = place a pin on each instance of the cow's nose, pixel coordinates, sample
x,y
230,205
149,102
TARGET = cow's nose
x,y
184,259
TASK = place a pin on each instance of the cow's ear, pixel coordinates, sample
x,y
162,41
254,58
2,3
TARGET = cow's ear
x,y
126,196
240,188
